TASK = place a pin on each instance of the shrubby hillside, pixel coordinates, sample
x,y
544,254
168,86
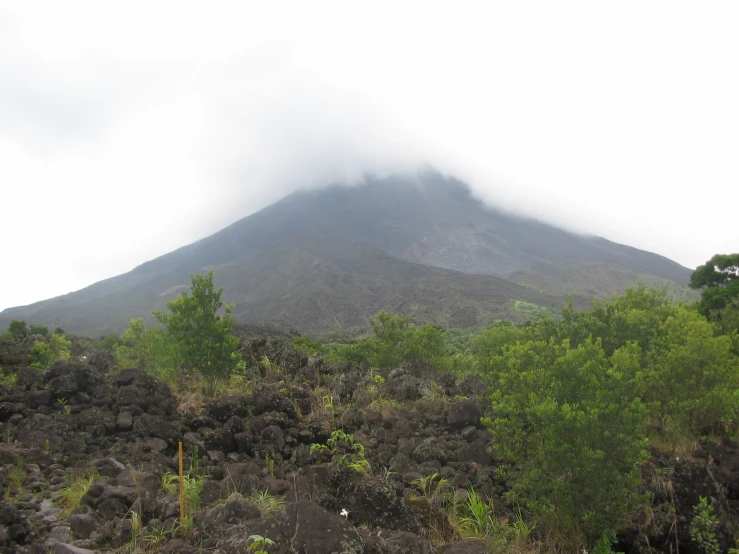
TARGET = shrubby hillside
x,y
611,429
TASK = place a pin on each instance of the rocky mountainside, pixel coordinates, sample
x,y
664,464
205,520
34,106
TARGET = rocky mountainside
x,y
325,260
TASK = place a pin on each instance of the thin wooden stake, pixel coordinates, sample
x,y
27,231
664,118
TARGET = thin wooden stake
x,y
182,491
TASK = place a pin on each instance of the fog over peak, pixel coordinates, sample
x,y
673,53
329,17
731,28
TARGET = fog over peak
x,y
128,131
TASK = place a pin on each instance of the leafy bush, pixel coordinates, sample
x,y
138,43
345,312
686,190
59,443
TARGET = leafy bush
x,y
718,279
44,354
703,527
570,420
346,450
17,330
692,376
204,338
151,350
394,340
109,342
42,330
304,343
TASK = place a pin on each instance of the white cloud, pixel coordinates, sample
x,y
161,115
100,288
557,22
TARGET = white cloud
x,y
129,130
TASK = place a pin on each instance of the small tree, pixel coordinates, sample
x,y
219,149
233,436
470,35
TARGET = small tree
x,y
18,329
42,330
718,279
208,346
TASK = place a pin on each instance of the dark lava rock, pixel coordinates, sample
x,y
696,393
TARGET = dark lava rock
x,y
374,503
266,399
124,421
474,452
406,387
403,542
219,439
223,408
238,511
136,388
152,426
61,434
96,421
64,380
430,450
304,528
464,413
82,525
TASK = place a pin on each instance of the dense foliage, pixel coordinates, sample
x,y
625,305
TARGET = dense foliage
x,y
394,339
718,279
17,329
44,353
569,417
578,400
152,350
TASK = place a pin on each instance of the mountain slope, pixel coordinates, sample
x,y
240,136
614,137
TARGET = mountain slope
x,y
326,260
316,287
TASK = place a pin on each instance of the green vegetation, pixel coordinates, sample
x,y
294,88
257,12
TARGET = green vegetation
x,y
196,342
703,527
303,342
42,330
394,340
16,480
568,420
17,330
43,354
530,311
152,350
259,543
192,484
8,380
69,496
203,338
266,503
718,279
345,450
578,400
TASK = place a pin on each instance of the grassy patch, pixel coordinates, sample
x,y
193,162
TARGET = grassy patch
x,y
69,497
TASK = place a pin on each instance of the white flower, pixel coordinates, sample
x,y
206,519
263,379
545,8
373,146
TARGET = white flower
x,y
344,513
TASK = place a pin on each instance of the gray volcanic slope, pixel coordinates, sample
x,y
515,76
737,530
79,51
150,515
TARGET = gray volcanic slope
x,y
325,260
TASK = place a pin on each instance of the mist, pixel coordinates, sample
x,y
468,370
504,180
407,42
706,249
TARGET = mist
x,y
129,131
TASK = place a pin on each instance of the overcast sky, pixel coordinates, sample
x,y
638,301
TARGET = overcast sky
x,y
129,129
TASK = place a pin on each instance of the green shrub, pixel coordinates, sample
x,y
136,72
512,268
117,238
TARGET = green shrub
x,y
203,337
570,420
692,375
109,342
42,330
44,354
151,350
703,527
304,343
394,340
17,329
